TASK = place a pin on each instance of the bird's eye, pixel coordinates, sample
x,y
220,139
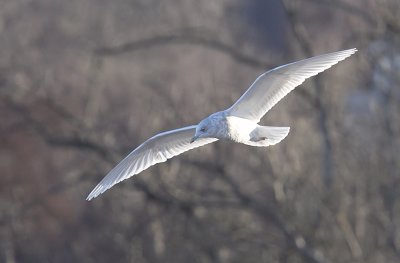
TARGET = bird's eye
x,y
203,129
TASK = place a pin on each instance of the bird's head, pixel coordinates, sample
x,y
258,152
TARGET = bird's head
x,y
203,130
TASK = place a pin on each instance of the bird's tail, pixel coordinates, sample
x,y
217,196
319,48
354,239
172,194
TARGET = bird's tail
x,y
266,135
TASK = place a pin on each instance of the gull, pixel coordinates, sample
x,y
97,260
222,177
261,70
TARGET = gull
x,y
239,123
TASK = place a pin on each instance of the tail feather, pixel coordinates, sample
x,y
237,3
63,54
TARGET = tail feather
x,y
267,135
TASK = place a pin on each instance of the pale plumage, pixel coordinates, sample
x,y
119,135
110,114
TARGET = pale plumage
x,y
269,88
238,123
155,150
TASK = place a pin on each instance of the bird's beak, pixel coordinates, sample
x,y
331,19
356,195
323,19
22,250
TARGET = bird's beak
x,y
194,138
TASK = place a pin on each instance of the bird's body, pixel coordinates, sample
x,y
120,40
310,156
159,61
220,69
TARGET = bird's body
x,y
224,126
238,123
240,130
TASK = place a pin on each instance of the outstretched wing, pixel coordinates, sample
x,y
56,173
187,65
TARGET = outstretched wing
x,y
269,88
155,150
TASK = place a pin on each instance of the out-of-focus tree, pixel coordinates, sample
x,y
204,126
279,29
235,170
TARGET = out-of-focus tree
x,y
84,82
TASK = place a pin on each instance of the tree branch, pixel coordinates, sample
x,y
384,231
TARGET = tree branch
x,y
184,37
263,211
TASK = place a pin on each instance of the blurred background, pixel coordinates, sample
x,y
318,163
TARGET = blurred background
x,y
82,83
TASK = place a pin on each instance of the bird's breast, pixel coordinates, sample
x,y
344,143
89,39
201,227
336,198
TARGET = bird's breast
x,y
239,129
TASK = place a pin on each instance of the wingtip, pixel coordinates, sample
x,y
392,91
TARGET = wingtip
x,y
351,51
90,197
95,192
343,54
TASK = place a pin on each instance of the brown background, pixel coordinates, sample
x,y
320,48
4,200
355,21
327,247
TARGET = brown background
x,y
82,82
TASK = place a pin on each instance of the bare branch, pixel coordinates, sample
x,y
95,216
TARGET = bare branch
x,y
184,37
268,214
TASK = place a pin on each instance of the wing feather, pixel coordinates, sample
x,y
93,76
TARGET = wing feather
x,y
269,88
155,150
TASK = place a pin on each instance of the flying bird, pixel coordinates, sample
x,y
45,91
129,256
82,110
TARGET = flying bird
x,y
239,123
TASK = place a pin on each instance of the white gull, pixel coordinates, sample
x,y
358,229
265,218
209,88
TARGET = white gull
x,y
239,123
